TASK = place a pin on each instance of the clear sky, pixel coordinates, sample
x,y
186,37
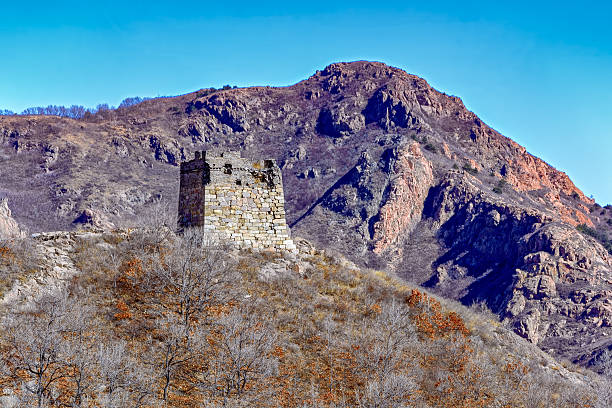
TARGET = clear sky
x,y
539,72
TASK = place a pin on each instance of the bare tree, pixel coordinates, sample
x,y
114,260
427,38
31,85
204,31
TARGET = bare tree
x,y
158,220
193,278
131,101
79,345
241,356
113,374
160,215
36,349
176,349
384,344
123,379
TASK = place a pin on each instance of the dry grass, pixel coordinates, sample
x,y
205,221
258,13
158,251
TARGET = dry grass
x,y
317,332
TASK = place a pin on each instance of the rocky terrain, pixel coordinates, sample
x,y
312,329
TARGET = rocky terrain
x,y
51,273
376,164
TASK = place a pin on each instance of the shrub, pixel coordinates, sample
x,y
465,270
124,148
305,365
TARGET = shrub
x,y
205,92
18,259
499,188
473,171
585,229
431,147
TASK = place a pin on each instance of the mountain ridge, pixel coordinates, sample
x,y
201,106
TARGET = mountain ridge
x,y
376,164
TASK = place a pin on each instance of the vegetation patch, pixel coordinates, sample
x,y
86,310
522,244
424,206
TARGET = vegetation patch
x,y
599,236
473,171
161,320
499,188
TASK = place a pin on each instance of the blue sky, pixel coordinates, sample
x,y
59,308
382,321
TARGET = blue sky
x,y
539,72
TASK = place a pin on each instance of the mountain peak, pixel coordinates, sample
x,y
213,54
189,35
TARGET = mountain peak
x,y
376,164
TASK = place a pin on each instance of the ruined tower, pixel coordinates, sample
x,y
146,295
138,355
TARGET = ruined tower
x,y
234,200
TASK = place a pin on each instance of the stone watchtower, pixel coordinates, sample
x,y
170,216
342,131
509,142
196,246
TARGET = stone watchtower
x,y
235,200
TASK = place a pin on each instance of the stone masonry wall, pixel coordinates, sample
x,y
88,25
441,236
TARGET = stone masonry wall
x,y
235,200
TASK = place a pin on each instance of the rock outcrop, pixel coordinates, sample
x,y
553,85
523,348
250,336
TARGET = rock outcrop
x,y
338,122
8,226
410,179
543,277
53,272
90,219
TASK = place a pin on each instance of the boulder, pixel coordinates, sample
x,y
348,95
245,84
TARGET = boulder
x,y
90,219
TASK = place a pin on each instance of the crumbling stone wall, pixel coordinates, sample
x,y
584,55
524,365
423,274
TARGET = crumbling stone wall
x,y
235,200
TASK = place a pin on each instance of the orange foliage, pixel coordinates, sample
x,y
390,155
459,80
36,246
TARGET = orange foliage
x,y
6,254
334,372
132,268
516,367
131,272
432,320
123,312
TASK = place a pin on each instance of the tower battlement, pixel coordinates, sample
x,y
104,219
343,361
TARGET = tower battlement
x,y
234,200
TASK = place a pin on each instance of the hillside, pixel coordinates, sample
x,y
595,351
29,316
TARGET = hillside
x,y
141,318
376,165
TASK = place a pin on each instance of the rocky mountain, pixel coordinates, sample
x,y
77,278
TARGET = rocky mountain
x,y
377,165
